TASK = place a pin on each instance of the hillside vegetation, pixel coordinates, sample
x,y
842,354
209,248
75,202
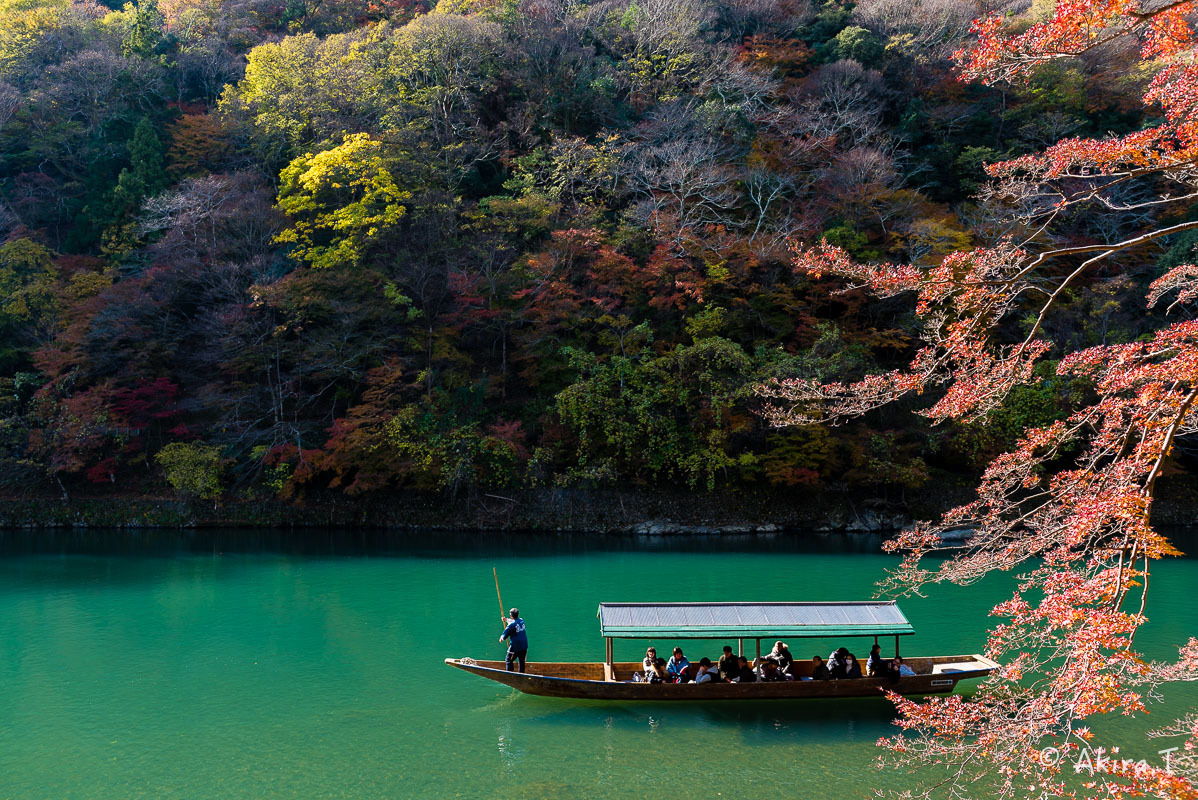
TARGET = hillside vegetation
x,y
260,248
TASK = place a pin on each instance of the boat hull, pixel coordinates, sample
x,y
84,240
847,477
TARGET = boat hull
x,y
586,681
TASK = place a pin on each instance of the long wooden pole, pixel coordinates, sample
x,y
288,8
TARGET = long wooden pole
x,y
502,615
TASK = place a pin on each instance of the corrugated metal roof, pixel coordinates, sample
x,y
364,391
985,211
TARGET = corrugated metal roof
x,y
751,620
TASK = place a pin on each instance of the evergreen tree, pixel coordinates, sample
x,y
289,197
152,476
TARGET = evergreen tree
x,y
145,32
146,174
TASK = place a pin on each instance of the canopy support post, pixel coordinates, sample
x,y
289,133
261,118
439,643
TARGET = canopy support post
x,y
896,646
758,659
875,641
740,647
609,650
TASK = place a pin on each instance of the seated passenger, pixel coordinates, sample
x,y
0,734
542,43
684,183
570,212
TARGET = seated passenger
x,y
650,660
787,659
819,670
852,669
838,663
726,667
781,656
744,673
875,665
770,671
707,672
900,669
658,673
677,667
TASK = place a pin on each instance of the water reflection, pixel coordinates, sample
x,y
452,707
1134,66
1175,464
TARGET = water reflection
x,y
759,723
510,753
429,544
340,542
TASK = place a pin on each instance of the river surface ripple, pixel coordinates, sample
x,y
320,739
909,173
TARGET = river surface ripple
x,y
221,664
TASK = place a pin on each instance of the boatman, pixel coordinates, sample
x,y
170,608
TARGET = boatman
x,y
517,640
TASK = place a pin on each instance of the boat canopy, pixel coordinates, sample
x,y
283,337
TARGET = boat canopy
x,y
751,620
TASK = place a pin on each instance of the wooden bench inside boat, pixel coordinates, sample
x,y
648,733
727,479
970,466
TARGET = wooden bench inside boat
x,y
622,671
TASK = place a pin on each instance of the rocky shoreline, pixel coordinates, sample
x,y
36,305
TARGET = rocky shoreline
x,y
632,512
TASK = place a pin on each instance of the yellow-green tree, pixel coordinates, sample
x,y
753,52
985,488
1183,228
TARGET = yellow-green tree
x,y
304,91
342,202
27,280
192,469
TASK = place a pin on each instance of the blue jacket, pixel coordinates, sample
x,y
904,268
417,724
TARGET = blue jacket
x,y
677,668
517,639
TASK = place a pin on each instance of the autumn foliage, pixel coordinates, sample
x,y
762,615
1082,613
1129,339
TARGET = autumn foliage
x,y
1070,505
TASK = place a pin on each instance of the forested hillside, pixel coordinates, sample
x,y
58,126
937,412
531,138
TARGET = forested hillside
x,y
260,248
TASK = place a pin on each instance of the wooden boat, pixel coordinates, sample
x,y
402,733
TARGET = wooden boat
x,y
669,622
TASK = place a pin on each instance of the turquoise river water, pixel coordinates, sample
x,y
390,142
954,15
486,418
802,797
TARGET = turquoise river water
x,y
248,664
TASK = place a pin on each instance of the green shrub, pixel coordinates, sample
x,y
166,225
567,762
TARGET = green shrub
x,y
192,469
